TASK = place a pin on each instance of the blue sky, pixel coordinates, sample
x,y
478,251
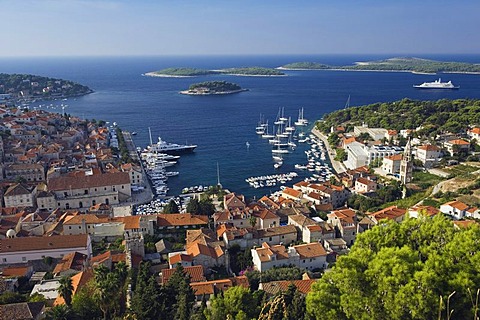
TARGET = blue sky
x,y
178,27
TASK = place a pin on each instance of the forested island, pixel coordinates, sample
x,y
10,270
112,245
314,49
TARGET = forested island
x,y
195,72
27,87
410,64
304,66
180,72
432,116
252,71
213,88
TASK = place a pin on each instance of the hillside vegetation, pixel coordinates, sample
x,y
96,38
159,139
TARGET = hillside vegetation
x,y
400,271
28,86
253,71
433,116
215,86
306,65
184,72
396,64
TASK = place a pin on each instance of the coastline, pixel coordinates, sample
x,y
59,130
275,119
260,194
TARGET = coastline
x,y
193,93
337,165
368,70
159,75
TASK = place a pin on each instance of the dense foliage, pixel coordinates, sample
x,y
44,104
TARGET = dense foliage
x,y
184,72
253,71
215,86
27,85
432,116
306,66
416,65
174,300
400,271
396,64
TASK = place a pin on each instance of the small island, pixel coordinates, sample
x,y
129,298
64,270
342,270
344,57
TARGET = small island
x,y
213,88
252,71
27,87
400,64
304,66
180,72
195,72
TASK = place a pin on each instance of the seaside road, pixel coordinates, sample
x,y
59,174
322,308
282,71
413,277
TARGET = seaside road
x,y
145,195
338,166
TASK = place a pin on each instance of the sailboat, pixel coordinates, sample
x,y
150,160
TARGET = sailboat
x,y
266,135
301,120
260,129
279,151
280,120
290,128
347,104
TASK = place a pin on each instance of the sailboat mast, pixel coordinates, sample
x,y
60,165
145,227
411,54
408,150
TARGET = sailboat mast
x,y
218,176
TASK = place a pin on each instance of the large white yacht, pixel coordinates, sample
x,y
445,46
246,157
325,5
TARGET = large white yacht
x,y
437,84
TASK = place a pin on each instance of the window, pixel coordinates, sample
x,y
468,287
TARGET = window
x,y
4,260
85,191
79,227
69,227
270,239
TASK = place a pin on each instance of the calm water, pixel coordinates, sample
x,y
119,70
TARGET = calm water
x,y
222,125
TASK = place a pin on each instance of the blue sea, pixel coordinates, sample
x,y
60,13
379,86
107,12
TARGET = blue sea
x,y
222,125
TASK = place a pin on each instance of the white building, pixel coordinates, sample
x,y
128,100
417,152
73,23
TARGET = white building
x,y
307,256
360,155
456,209
428,154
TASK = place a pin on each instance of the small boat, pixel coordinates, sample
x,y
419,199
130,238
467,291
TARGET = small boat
x,y
277,158
277,165
134,133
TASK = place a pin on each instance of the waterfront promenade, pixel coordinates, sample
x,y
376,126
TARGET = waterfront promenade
x,y
338,166
146,195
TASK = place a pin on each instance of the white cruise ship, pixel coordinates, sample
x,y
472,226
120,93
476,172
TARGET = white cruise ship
x,y
437,84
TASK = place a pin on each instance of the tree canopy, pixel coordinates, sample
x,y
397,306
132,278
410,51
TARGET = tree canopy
x,y
433,116
400,271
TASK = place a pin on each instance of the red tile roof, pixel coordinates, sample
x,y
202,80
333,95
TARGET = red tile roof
x,y
275,287
96,180
43,243
195,272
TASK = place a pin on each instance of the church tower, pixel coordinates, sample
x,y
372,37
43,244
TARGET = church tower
x,y
406,166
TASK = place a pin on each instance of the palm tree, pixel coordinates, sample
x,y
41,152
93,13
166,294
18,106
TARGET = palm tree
x,y
66,289
60,312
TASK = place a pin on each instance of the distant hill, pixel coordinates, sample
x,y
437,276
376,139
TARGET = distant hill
x,y
194,72
180,72
305,66
29,87
433,116
253,71
395,64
